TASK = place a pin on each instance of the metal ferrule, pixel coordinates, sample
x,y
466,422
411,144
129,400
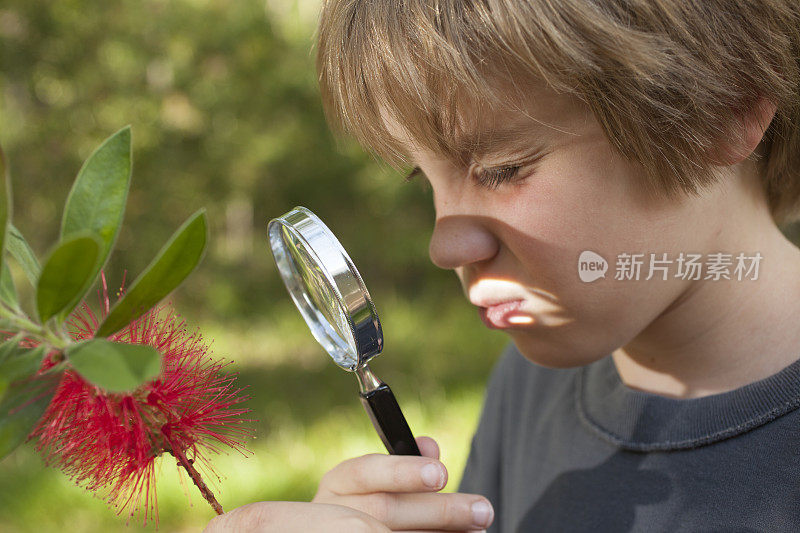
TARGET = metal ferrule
x,y
367,381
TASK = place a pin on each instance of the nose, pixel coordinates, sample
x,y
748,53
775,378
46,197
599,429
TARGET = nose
x,y
459,240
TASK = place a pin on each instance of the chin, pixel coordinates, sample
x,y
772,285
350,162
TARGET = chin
x,y
554,355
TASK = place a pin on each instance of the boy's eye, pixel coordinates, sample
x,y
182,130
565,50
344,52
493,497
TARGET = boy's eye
x,y
492,178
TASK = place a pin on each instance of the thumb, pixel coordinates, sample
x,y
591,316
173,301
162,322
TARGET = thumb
x,y
428,447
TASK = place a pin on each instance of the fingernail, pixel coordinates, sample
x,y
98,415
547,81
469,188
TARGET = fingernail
x,y
432,475
482,513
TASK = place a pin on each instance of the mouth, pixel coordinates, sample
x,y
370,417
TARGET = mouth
x,y
504,315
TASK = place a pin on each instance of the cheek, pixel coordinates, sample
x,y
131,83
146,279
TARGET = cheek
x,y
586,197
603,317
583,196
576,202
589,200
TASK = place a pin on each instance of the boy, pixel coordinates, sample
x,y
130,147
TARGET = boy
x,y
608,176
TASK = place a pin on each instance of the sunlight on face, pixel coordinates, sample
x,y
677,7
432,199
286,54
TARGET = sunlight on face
x,y
537,306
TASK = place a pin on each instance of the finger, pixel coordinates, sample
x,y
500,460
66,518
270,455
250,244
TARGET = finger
x,y
437,511
428,447
383,473
429,531
294,517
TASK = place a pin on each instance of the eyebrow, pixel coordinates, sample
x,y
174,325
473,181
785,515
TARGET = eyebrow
x,y
510,139
507,139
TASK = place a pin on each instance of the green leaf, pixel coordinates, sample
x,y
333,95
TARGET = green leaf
x,y
176,260
5,198
96,203
18,246
8,293
9,347
22,406
66,276
115,366
18,362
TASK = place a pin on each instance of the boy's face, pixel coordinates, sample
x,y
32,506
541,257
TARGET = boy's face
x,y
521,241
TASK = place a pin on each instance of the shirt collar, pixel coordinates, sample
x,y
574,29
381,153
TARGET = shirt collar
x,y
643,421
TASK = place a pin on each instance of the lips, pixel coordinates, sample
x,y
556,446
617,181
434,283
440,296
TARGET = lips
x,y
499,316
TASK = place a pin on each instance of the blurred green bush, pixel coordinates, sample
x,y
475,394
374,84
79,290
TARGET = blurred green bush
x,y
225,112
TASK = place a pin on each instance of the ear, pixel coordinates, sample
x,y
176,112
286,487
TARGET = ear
x,y
751,130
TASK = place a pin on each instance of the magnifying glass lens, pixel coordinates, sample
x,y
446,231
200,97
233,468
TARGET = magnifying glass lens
x,y
317,291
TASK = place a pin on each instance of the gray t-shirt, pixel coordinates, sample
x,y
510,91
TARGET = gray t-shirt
x,y
577,450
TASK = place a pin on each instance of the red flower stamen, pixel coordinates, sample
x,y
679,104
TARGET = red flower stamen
x,y
108,442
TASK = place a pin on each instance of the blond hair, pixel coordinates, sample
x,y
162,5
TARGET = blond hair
x,y
666,80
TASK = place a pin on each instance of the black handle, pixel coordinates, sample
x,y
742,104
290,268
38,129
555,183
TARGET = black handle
x,y
389,421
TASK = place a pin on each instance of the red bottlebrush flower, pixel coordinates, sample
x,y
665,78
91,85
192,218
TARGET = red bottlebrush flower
x,y
108,442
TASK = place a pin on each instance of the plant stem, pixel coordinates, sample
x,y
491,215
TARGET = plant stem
x,y
195,475
57,339
33,329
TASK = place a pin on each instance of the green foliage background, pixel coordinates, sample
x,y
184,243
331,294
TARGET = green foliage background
x,y
225,113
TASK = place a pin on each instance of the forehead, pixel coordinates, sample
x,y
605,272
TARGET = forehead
x,y
517,118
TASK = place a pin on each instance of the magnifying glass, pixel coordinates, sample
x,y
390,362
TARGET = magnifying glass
x,y
330,294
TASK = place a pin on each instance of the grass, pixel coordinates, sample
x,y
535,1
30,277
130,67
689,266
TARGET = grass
x,y
437,360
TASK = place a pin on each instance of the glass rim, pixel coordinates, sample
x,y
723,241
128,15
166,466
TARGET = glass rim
x,y
364,336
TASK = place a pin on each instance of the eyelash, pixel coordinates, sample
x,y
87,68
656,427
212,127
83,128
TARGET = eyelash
x,y
490,178
416,171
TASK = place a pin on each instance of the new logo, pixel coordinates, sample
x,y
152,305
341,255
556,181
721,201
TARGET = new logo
x,y
591,266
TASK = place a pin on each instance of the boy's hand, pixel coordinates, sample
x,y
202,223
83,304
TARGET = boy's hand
x,y
401,491
294,517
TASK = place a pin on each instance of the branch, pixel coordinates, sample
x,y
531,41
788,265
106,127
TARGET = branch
x,y
195,475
